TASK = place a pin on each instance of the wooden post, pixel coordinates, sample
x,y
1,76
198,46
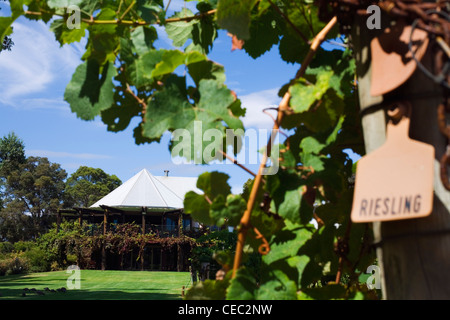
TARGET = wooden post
x,y
58,220
414,254
180,223
179,258
143,221
105,229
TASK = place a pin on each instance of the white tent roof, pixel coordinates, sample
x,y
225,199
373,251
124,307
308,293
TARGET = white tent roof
x,y
153,192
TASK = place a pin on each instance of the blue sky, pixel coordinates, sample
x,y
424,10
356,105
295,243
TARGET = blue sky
x,y
33,77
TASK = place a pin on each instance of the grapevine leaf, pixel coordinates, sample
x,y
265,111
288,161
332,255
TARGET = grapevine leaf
x,y
149,9
264,33
216,206
305,94
227,211
294,207
140,69
214,184
181,31
206,69
203,35
65,35
103,39
91,89
215,100
292,48
287,242
236,206
243,286
208,290
277,286
143,39
5,26
198,207
172,59
235,16
331,291
118,117
316,143
168,109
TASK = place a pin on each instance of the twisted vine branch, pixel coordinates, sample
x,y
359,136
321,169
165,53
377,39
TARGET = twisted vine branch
x,y
283,107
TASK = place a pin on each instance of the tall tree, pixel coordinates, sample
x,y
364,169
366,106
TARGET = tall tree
x,y
36,186
87,185
12,153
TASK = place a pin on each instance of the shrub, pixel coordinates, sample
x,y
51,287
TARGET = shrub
x,y
37,259
6,247
14,264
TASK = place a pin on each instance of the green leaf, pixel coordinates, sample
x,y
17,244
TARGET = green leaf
x,y
264,33
206,69
236,206
290,207
140,69
149,10
56,4
91,89
171,59
316,143
215,99
103,39
305,94
287,242
65,35
227,211
143,38
197,206
208,290
203,35
181,31
168,109
277,286
243,286
330,291
118,117
235,16
214,184
5,26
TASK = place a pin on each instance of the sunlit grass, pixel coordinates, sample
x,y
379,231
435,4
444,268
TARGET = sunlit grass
x,y
96,285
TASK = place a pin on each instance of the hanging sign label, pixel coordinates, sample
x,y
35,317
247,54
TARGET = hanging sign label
x,y
395,181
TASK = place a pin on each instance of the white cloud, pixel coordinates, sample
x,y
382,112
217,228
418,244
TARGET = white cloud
x,y
255,103
35,66
61,154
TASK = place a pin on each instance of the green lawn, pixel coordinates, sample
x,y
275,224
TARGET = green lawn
x,y
97,285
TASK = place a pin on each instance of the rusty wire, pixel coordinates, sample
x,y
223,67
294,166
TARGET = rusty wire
x,y
432,17
409,10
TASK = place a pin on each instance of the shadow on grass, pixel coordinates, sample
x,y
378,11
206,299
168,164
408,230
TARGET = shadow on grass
x,y
30,287
16,294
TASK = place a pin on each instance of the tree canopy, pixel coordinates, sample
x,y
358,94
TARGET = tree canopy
x,y
87,185
32,189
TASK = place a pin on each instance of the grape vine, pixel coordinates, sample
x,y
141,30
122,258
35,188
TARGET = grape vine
x,y
124,76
